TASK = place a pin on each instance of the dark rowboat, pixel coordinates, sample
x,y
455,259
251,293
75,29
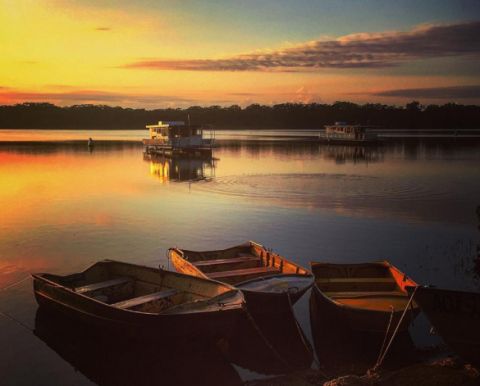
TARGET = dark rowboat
x,y
455,315
139,301
362,297
270,284
264,277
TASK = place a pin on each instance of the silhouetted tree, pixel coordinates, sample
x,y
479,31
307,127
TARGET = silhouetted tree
x,y
282,115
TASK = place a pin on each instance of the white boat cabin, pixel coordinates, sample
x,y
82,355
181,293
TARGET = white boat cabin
x,y
343,131
176,134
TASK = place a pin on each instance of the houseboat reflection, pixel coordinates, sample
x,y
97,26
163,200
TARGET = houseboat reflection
x,y
181,168
352,154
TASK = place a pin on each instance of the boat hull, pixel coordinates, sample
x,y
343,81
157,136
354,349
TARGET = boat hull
x,y
357,319
366,298
455,315
209,322
265,293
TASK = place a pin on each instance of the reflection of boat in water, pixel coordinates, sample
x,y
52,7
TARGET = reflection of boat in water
x,y
363,297
178,137
343,133
109,361
455,315
143,302
355,154
179,168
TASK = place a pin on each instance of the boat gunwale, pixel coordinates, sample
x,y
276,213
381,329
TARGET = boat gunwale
x,y
349,308
232,290
264,278
249,243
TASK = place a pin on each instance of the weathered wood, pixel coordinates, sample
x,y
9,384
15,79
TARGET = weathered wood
x,y
102,285
362,297
356,280
342,284
202,309
242,259
243,272
130,303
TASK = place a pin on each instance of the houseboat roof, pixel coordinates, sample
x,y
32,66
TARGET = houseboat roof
x,y
167,124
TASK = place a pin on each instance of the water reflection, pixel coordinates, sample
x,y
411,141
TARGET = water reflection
x,y
107,360
63,208
181,168
355,154
269,343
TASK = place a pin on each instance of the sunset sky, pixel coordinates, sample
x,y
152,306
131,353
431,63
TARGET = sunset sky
x,y
180,53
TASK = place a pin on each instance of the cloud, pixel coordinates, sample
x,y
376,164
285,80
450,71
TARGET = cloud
x,y
10,96
103,29
364,50
452,92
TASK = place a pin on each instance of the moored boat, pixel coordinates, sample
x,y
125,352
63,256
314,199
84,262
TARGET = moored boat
x,y
363,297
343,133
455,315
178,137
142,302
264,277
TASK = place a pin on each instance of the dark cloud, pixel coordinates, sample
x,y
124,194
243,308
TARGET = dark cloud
x,y
365,50
103,29
90,96
454,92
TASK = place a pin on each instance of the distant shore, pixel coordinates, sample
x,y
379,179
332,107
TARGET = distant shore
x,y
291,116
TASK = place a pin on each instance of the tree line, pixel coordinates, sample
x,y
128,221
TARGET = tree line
x,y
280,116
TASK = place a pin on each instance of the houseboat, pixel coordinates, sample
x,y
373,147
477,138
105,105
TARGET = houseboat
x,y
177,137
343,133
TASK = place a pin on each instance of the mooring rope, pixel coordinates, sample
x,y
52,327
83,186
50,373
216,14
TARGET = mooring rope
x,y
8,316
15,284
382,357
305,344
392,312
272,349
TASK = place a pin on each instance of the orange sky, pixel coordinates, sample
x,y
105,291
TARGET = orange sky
x,y
166,54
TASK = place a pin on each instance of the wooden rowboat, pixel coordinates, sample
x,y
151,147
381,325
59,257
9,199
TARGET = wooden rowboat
x,y
263,276
455,315
362,297
139,301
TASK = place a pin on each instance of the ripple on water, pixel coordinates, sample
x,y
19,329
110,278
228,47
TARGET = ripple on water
x,y
327,190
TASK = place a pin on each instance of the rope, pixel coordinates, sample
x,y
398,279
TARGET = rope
x,y
270,346
15,320
386,335
307,346
8,316
382,357
14,284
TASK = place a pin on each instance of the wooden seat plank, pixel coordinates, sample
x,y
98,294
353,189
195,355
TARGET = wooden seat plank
x,y
363,294
101,285
130,303
356,280
242,259
243,272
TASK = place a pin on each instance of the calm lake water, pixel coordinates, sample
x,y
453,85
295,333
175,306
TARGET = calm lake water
x,y
64,206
